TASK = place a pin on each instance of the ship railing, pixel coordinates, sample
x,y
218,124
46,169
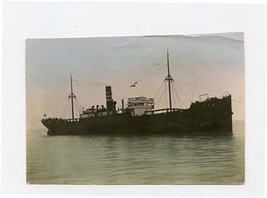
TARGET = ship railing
x,y
69,120
73,120
163,110
51,118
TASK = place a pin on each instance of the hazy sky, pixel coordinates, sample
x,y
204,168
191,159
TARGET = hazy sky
x,y
212,61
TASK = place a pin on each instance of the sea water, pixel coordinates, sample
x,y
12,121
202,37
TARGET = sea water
x,y
136,160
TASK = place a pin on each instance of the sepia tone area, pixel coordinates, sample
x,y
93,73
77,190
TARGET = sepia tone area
x,y
210,66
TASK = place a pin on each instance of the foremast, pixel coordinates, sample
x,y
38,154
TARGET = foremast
x,y
71,96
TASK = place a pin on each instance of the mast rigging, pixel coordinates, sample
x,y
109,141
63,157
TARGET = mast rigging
x,y
170,80
71,96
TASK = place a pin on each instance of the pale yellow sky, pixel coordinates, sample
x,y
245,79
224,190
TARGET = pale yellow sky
x,y
215,61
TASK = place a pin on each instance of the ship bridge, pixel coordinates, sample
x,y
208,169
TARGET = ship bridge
x,y
139,105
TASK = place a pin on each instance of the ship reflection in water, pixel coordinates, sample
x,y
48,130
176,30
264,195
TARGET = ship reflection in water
x,y
159,159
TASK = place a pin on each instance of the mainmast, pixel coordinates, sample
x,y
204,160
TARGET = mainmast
x,y
71,96
169,79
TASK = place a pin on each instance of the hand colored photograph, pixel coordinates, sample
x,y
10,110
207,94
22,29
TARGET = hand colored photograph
x,y
136,110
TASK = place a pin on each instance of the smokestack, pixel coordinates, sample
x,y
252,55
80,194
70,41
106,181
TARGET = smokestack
x,y
109,99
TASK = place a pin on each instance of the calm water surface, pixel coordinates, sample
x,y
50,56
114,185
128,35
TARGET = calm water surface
x,y
135,160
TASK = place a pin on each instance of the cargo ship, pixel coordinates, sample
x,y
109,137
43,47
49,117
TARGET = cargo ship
x,y
212,115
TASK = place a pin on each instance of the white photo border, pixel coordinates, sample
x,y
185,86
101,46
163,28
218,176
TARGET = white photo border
x,y
22,20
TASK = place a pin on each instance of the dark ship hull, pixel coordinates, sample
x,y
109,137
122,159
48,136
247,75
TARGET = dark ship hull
x,y
212,116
